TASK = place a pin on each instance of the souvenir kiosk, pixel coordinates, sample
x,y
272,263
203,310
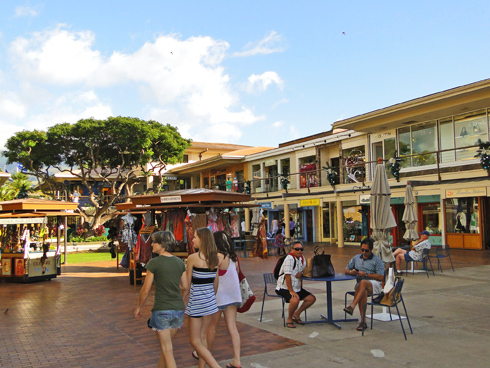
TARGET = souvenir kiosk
x,y
25,226
180,212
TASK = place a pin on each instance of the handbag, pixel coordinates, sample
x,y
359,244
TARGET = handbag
x,y
248,297
322,265
307,272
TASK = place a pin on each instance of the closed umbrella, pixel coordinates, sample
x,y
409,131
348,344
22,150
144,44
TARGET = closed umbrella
x,y
382,219
410,215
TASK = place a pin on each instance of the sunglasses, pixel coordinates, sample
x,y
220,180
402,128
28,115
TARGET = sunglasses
x,y
298,249
365,250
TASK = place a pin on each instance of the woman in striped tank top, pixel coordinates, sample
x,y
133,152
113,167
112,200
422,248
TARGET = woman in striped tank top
x,y
202,271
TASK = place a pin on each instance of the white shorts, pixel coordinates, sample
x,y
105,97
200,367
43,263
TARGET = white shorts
x,y
377,288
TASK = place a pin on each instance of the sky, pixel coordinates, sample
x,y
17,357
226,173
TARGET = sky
x,y
250,72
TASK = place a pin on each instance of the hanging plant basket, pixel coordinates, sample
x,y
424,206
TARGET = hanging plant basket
x,y
331,174
483,152
395,166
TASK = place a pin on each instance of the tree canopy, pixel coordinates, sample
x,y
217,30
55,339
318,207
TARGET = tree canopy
x,y
114,152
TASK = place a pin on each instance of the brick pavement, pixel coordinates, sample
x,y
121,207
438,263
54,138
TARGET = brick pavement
x,y
84,318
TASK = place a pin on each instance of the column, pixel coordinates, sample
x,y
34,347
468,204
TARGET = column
x,y
287,230
340,224
247,219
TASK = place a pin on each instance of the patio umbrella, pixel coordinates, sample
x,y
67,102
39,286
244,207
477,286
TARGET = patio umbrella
x,y
382,219
410,215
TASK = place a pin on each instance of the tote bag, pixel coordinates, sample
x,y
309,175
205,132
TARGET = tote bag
x,y
322,265
248,297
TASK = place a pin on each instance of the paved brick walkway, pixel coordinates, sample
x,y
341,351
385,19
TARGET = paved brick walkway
x,y
84,318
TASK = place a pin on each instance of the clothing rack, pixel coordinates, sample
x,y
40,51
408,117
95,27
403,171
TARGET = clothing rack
x,y
133,265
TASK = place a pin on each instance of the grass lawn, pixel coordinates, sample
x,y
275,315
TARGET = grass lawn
x,y
85,257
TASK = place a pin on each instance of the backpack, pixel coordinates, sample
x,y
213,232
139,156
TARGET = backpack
x,y
277,268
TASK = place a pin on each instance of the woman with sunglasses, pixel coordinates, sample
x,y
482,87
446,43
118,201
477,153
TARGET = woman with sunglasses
x,y
290,285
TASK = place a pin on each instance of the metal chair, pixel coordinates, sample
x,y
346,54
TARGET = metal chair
x,y
397,299
442,253
425,260
270,280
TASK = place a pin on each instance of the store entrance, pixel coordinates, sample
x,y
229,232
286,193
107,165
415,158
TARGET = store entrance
x,y
309,225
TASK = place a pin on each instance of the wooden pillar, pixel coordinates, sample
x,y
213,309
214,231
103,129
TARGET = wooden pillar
x,y
247,219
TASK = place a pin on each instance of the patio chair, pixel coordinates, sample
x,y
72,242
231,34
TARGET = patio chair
x,y
440,254
397,299
425,261
270,280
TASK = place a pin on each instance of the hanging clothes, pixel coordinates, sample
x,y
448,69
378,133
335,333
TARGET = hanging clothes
x,y
219,222
235,231
179,226
212,218
189,233
143,255
226,223
128,235
164,220
260,245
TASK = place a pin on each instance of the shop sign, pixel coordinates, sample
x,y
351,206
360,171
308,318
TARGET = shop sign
x,y
167,199
170,177
470,192
267,205
364,199
14,221
309,202
37,268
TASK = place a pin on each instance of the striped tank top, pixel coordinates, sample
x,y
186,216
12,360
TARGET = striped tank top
x,y
202,299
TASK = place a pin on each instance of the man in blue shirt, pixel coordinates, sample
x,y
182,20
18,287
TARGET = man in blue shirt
x,y
369,270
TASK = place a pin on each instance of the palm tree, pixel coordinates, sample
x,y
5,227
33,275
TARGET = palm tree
x,y
6,193
19,185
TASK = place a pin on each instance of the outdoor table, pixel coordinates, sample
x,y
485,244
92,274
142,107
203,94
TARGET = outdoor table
x,y
328,281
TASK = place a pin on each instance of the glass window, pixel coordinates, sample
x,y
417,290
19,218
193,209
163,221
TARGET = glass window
x,y
424,139
285,165
446,136
404,146
468,129
431,217
308,166
462,215
354,166
256,176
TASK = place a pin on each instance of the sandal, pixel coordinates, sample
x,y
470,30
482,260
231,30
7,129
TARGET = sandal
x,y
297,321
349,310
290,325
229,365
361,327
195,355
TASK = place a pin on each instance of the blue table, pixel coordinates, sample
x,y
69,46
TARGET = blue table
x,y
241,244
328,281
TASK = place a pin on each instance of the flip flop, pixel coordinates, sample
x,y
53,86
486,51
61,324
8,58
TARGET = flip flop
x,y
229,365
195,355
297,321
290,325
349,310
361,326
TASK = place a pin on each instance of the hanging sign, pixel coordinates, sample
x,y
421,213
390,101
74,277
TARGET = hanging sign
x,y
266,205
14,221
309,202
167,199
470,192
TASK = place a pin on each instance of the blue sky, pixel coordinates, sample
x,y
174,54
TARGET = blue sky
x,y
246,72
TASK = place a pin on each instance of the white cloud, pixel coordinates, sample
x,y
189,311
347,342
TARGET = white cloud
x,y
278,124
179,81
280,102
259,83
268,45
11,107
25,11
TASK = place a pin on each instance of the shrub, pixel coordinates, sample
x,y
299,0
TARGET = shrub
x,y
99,230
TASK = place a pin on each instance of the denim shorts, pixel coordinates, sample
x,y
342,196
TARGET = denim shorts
x,y
223,307
164,319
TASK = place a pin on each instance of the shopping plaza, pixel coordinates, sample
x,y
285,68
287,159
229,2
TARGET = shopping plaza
x,y
323,181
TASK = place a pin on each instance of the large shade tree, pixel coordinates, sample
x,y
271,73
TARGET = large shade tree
x,y
114,153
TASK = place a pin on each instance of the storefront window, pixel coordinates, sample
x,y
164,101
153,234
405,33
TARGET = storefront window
x,y
307,165
468,129
462,215
352,223
424,140
326,221
354,165
405,146
431,218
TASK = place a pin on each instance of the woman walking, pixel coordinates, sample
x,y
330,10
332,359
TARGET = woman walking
x,y
202,270
228,296
167,315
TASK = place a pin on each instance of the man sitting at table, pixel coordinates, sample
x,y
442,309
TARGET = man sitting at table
x,y
414,254
369,270
290,285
